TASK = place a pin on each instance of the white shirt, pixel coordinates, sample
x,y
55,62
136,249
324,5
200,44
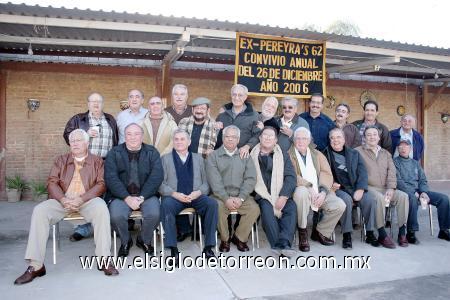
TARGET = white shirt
x,y
126,117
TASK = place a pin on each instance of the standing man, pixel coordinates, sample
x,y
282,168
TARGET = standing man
x,y
319,123
200,127
351,185
275,183
406,132
289,122
382,183
133,174
179,109
351,132
135,113
185,186
412,180
75,184
102,130
232,178
314,181
242,116
370,119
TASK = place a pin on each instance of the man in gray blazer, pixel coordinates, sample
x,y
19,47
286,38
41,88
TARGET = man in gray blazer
x,y
184,186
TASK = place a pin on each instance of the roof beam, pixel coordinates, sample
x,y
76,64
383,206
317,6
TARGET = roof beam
x,y
364,66
177,49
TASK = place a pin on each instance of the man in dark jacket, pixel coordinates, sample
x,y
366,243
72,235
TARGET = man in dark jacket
x,y
133,174
406,131
102,130
412,180
351,185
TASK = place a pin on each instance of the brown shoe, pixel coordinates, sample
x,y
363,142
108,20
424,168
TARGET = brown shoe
x,y
30,274
303,244
109,270
387,242
402,241
240,245
317,236
224,246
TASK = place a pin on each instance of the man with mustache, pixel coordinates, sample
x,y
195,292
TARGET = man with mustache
x,y
179,109
352,137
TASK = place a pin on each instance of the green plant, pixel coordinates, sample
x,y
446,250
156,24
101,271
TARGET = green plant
x,y
39,189
16,183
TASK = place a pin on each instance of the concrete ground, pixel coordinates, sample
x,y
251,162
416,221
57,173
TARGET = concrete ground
x,y
415,272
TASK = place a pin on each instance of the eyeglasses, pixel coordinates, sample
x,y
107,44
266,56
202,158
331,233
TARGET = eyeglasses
x,y
76,141
287,107
155,103
95,101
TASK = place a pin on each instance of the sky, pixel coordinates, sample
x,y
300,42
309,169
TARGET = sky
x,y
407,21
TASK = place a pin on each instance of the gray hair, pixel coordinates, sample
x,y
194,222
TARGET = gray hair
x,y
133,124
344,105
83,133
179,86
408,115
94,93
302,129
140,92
336,129
289,99
238,85
179,130
372,127
270,98
231,127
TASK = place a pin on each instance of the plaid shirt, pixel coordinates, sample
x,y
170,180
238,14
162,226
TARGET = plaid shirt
x,y
208,136
101,144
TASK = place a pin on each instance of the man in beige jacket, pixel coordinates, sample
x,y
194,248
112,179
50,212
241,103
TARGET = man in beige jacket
x,y
383,183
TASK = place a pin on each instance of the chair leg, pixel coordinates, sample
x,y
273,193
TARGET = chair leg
x,y
195,229
154,242
362,223
431,219
253,239
115,243
54,243
161,235
392,222
58,236
257,234
217,247
200,231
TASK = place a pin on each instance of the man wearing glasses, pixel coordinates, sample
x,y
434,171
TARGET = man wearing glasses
x,y
289,122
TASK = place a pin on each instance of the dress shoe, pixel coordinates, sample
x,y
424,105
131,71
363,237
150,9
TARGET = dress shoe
x,y
388,224
131,224
444,235
387,242
411,237
125,248
303,244
75,237
224,246
176,255
209,253
110,270
30,274
240,245
318,237
182,236
372,240
148,248
402,241
347,241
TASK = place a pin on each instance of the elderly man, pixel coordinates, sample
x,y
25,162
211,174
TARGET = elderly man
x,y
412,180
102,130
232,179
75,184
350,184
185,186
135,113
289,122
133,174
314,181
200,127
382,183
179,109
275,183
370,119
406,131
242,115
319,123
267,115
352,137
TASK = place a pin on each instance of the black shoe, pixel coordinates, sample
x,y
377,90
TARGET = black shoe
x,y
411,237
209,253
182,236
147,248
444,235
372,240
131,223
347,241
125,248
175,254
388,224
75,237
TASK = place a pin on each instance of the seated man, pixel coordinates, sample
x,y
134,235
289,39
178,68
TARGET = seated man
x,y
382,183
185,186
232,179
133,175
75,184
275,183
350,183
314,181
412,180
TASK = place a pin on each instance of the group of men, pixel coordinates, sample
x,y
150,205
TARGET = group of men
x,y
255,165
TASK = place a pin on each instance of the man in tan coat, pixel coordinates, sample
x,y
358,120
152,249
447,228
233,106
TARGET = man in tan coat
x,y
383,183
314,181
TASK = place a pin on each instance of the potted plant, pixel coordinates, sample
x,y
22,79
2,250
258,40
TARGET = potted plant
x,y
39,191
14,187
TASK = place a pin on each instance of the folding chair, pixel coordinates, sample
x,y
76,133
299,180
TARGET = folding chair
x,y
254,228
56,235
